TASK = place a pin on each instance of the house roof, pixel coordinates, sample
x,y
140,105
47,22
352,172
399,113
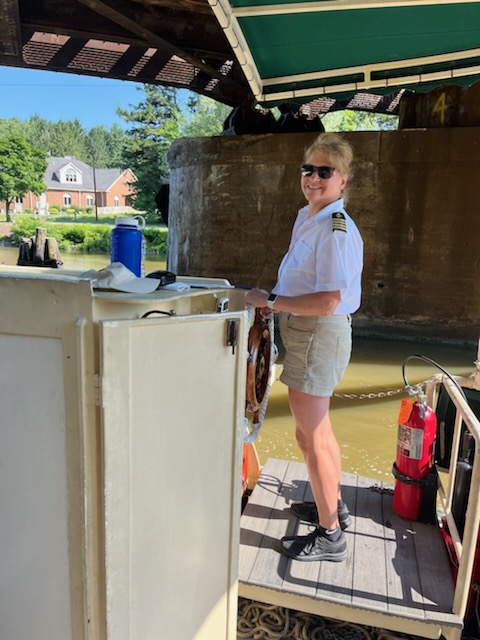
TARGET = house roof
x,y
104,178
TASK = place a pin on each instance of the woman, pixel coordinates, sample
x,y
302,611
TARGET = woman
x,y
318,287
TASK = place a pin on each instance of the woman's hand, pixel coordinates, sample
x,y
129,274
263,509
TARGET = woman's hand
x,y
258,298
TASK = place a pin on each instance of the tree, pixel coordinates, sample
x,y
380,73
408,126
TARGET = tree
x,y
349,120
152,126
22,169
115,145
68,139
96,144
205,118
10,125
39,133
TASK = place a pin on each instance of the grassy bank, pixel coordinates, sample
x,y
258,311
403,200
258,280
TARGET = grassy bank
x,y
86,237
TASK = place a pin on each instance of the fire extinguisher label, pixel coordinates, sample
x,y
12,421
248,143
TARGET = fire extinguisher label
x,y
410,442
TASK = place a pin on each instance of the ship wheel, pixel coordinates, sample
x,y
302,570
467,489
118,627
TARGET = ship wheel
x,y
258,363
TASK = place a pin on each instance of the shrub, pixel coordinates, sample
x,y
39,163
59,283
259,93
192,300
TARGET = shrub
x,y
74,233
23,229
94,238
97,239
156,239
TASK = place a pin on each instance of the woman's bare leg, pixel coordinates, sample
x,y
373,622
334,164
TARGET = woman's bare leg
x,y
321,452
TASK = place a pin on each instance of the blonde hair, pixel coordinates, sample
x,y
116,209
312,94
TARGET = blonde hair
x,y
336,148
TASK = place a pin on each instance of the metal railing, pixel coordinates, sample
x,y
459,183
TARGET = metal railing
x,y
465,547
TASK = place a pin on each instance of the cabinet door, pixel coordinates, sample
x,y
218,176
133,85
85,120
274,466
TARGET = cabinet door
x,y
173,397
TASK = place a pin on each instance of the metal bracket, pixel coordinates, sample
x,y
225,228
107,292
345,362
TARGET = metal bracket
x,y
232,333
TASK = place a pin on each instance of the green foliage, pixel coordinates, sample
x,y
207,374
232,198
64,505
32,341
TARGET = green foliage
x,y
96,144
97,239
156,239
69,138
23,229
205,118
349,120
22,169
152,125
74,234
84,217
93,238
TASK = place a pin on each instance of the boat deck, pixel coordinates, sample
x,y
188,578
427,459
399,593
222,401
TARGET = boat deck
x,y
396,577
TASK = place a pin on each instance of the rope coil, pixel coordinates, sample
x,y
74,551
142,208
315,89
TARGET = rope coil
x,y
258,621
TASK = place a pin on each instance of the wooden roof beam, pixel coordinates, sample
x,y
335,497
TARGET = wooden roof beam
x,y
10,32
156,41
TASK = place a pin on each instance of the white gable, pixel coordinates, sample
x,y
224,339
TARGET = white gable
x,y
70,174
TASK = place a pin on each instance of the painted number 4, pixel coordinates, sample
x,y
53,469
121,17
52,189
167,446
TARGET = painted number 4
x,y
440,108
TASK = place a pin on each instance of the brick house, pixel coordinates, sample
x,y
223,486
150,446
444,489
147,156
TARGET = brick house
x,y
72,183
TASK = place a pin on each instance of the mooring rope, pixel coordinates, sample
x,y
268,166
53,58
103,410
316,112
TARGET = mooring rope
x,y
258,621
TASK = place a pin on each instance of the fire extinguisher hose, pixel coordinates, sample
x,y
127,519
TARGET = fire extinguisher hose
x,y
417,390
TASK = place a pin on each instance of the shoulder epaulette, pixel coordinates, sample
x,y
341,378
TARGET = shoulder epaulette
x,y
339,222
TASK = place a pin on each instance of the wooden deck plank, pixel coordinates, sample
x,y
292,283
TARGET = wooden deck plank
x,y
301,577
370,584
433,568
407,594
270,565
403,581
256,517
336,579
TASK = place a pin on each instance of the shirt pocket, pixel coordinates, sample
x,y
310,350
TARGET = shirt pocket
x,y
300,254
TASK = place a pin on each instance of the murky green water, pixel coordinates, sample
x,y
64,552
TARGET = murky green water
x,y
366,429
82,261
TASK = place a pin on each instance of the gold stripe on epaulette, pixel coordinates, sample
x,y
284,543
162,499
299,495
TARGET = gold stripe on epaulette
x,y
339,223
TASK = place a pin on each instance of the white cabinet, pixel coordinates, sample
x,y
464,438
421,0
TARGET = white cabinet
x,y
120,462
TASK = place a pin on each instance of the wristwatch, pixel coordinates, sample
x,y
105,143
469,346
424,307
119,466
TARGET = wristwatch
x,y
272,298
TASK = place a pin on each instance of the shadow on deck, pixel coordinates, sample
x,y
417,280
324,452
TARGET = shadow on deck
x,y
397,575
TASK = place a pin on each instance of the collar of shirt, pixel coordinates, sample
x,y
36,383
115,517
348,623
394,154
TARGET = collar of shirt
x,y
327,211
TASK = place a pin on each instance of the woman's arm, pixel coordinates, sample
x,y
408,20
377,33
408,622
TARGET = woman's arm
x,y
322,303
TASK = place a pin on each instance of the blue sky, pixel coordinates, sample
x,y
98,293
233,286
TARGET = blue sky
x,y
64,96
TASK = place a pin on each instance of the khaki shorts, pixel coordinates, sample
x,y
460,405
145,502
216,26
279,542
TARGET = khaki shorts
x,y
317,351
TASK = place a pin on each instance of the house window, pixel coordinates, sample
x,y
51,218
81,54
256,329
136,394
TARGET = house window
x,y
89,201
116,201
70,175
67,199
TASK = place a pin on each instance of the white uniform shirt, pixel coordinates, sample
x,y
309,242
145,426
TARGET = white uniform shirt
x,y
324,257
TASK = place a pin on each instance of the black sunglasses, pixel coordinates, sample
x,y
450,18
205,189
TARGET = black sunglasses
x,y
323,172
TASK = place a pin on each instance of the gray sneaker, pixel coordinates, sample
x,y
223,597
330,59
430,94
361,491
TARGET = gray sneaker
x,y
308,511
315,546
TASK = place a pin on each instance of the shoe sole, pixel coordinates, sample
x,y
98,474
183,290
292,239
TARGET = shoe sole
x,y
329,557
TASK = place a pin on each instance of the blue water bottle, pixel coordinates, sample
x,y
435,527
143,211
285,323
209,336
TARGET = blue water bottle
x,y
126,243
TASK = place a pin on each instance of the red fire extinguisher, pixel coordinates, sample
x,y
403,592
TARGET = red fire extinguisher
x,y
417,427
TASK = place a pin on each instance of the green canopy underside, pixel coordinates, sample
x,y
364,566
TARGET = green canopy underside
x,y
293,52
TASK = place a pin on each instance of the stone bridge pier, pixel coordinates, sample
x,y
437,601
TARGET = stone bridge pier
x,y
414,195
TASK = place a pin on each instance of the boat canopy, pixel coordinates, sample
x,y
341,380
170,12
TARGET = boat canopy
x,y
298,51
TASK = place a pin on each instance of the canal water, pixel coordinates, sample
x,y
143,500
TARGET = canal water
x,y
366,428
